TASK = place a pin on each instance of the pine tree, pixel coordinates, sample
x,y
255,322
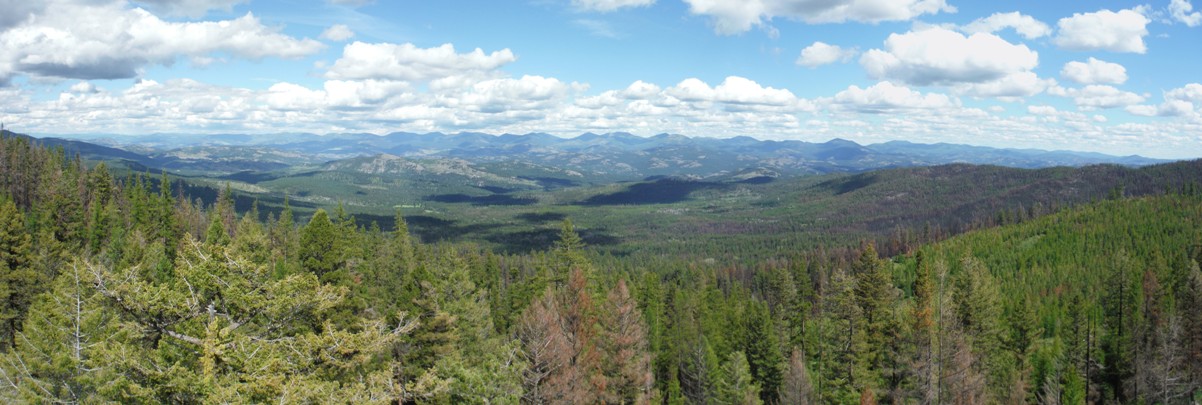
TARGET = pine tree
x,y
569,254
319,245
737,386
1190,303
796,387
1118,302
482,365
547,352
402,242
838,332
54,362
763,351
285,242
875,296
18,279
222,329
623,342
922,356
978,307
216,234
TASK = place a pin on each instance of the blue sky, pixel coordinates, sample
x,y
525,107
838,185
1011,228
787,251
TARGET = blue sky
x,y
1107,76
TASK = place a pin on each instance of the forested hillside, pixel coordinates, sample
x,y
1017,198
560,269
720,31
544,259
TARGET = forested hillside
x,y
128,290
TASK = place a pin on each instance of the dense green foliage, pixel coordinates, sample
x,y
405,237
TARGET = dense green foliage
x,y
127,290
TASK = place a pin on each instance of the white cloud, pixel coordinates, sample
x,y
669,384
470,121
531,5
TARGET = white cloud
x,y
738,90
820,53
692,89
610,5
532,103
886,96
1179,102
1104,30
111,42
940,56
1170,108
735,16
1012,87
408,62
1181,11
640,90
1190,92
337,33
1094,71
293,97
1025,25
499,95
1099,96
1042,110
732,90
84,87
18,11
188,8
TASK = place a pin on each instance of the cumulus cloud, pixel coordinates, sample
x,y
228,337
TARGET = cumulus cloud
x,y
938,56
84,87
732,90
1179,102
18,11
1094,71
1104,30
1169,108
408,62
1025,25
337,33
820,53
736,16
1012,87
499,95
886,96
610,5
1181,11
877,113
188,8
1190,92
1099,96
112,42
739,90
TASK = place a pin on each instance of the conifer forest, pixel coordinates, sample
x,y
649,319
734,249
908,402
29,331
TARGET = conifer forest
x,y
126,289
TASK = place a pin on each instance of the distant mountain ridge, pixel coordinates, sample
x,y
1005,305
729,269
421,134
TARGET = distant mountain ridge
x,y
602,157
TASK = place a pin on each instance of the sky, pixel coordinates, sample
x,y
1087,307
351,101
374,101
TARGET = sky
x,y
1116,77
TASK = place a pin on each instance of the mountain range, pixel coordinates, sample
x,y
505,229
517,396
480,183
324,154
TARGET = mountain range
x,y
594,157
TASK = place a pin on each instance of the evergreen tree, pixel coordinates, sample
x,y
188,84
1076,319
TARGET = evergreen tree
x,y
875,296
319,245
223,330
402,242
1190,304
796,387
737,386
1118,303
55,361
922,355
216,234
623,342
763,351
18,279
569,254
482,365
547,350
